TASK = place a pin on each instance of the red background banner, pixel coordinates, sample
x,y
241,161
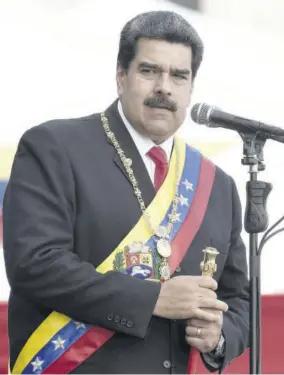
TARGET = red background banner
x,y
272,340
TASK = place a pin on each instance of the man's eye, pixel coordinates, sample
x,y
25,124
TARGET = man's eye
x,y
179,76
147,71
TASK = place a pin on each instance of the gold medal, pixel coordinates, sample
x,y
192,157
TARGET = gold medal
x,y
164,248
161,231
165,271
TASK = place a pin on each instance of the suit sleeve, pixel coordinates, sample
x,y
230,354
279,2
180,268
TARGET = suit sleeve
x,y
233,289
39,214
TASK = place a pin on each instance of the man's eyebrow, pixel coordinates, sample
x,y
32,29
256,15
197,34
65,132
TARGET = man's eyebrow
x,y
180,71
145,64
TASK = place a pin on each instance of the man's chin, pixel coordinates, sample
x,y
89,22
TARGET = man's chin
x,y
158,129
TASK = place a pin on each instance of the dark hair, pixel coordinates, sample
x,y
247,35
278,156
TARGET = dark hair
x,y
160,25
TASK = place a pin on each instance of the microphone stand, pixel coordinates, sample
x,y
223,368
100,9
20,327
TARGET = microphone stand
x,y
255,222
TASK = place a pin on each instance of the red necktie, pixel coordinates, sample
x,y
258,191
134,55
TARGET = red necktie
x,y
159,157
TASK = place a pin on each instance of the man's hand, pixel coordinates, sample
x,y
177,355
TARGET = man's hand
x,y
189,297
204,335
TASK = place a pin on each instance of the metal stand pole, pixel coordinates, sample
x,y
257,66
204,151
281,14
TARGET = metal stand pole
x,y
256,221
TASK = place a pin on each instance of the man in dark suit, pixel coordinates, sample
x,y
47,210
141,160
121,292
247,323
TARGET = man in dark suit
x,y
105,220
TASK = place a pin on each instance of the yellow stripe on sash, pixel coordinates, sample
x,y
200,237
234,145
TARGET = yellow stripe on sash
x,y
39,338
140,232
156,210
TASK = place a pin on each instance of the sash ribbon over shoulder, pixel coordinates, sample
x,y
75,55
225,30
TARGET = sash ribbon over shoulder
x,y
60,344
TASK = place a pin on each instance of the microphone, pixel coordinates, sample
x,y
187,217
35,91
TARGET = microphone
x,y
204,114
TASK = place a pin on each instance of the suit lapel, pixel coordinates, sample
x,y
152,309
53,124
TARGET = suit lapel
x,y
128,146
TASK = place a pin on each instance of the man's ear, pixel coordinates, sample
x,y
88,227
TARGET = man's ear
x,y
120,76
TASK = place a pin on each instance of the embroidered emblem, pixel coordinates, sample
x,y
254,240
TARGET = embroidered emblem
x,y
138,260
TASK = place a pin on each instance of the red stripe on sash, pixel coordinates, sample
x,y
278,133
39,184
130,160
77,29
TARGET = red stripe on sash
x,y
96,337
82,349
195,216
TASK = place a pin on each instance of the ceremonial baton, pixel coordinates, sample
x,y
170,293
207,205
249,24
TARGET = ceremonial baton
x,y
208,267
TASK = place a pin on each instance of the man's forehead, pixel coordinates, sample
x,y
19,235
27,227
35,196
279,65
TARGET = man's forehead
x,y
163,53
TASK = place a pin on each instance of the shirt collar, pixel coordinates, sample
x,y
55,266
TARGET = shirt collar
x,y
143,143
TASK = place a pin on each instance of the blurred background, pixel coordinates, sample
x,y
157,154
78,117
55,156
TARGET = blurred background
x,y
58,60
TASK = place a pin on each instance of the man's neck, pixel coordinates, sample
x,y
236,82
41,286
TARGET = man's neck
x,y
144,142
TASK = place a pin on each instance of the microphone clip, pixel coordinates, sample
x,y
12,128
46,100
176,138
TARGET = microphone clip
x,y
253,144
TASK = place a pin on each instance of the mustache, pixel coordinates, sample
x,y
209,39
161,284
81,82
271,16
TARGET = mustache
x,y
161,101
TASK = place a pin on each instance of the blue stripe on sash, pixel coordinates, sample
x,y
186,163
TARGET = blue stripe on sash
x,y
59,343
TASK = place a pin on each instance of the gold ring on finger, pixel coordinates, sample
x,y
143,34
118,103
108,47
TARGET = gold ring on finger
x,y
198,332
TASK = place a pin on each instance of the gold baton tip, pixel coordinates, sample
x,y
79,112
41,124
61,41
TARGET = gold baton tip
x,y
208,266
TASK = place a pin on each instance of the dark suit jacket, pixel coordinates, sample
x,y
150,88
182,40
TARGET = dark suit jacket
x,y
67,206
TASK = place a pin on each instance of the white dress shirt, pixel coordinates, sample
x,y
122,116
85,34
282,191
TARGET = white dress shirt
x,y
145,144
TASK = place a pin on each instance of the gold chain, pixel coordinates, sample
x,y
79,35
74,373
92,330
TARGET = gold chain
x,y
163,245
127,165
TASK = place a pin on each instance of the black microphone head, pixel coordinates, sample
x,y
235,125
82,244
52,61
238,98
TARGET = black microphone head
x,y
200,113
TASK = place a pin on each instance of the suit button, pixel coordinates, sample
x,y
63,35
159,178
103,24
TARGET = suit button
x,y
167,364
110,317
123,321
129,324
178,269
117,318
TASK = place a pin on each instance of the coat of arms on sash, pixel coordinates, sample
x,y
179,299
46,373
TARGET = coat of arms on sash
x,y
138,260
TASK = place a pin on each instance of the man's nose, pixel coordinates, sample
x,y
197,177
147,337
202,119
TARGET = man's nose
x,y
163,85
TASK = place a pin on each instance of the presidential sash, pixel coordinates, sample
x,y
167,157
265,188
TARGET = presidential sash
x,y
60,344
